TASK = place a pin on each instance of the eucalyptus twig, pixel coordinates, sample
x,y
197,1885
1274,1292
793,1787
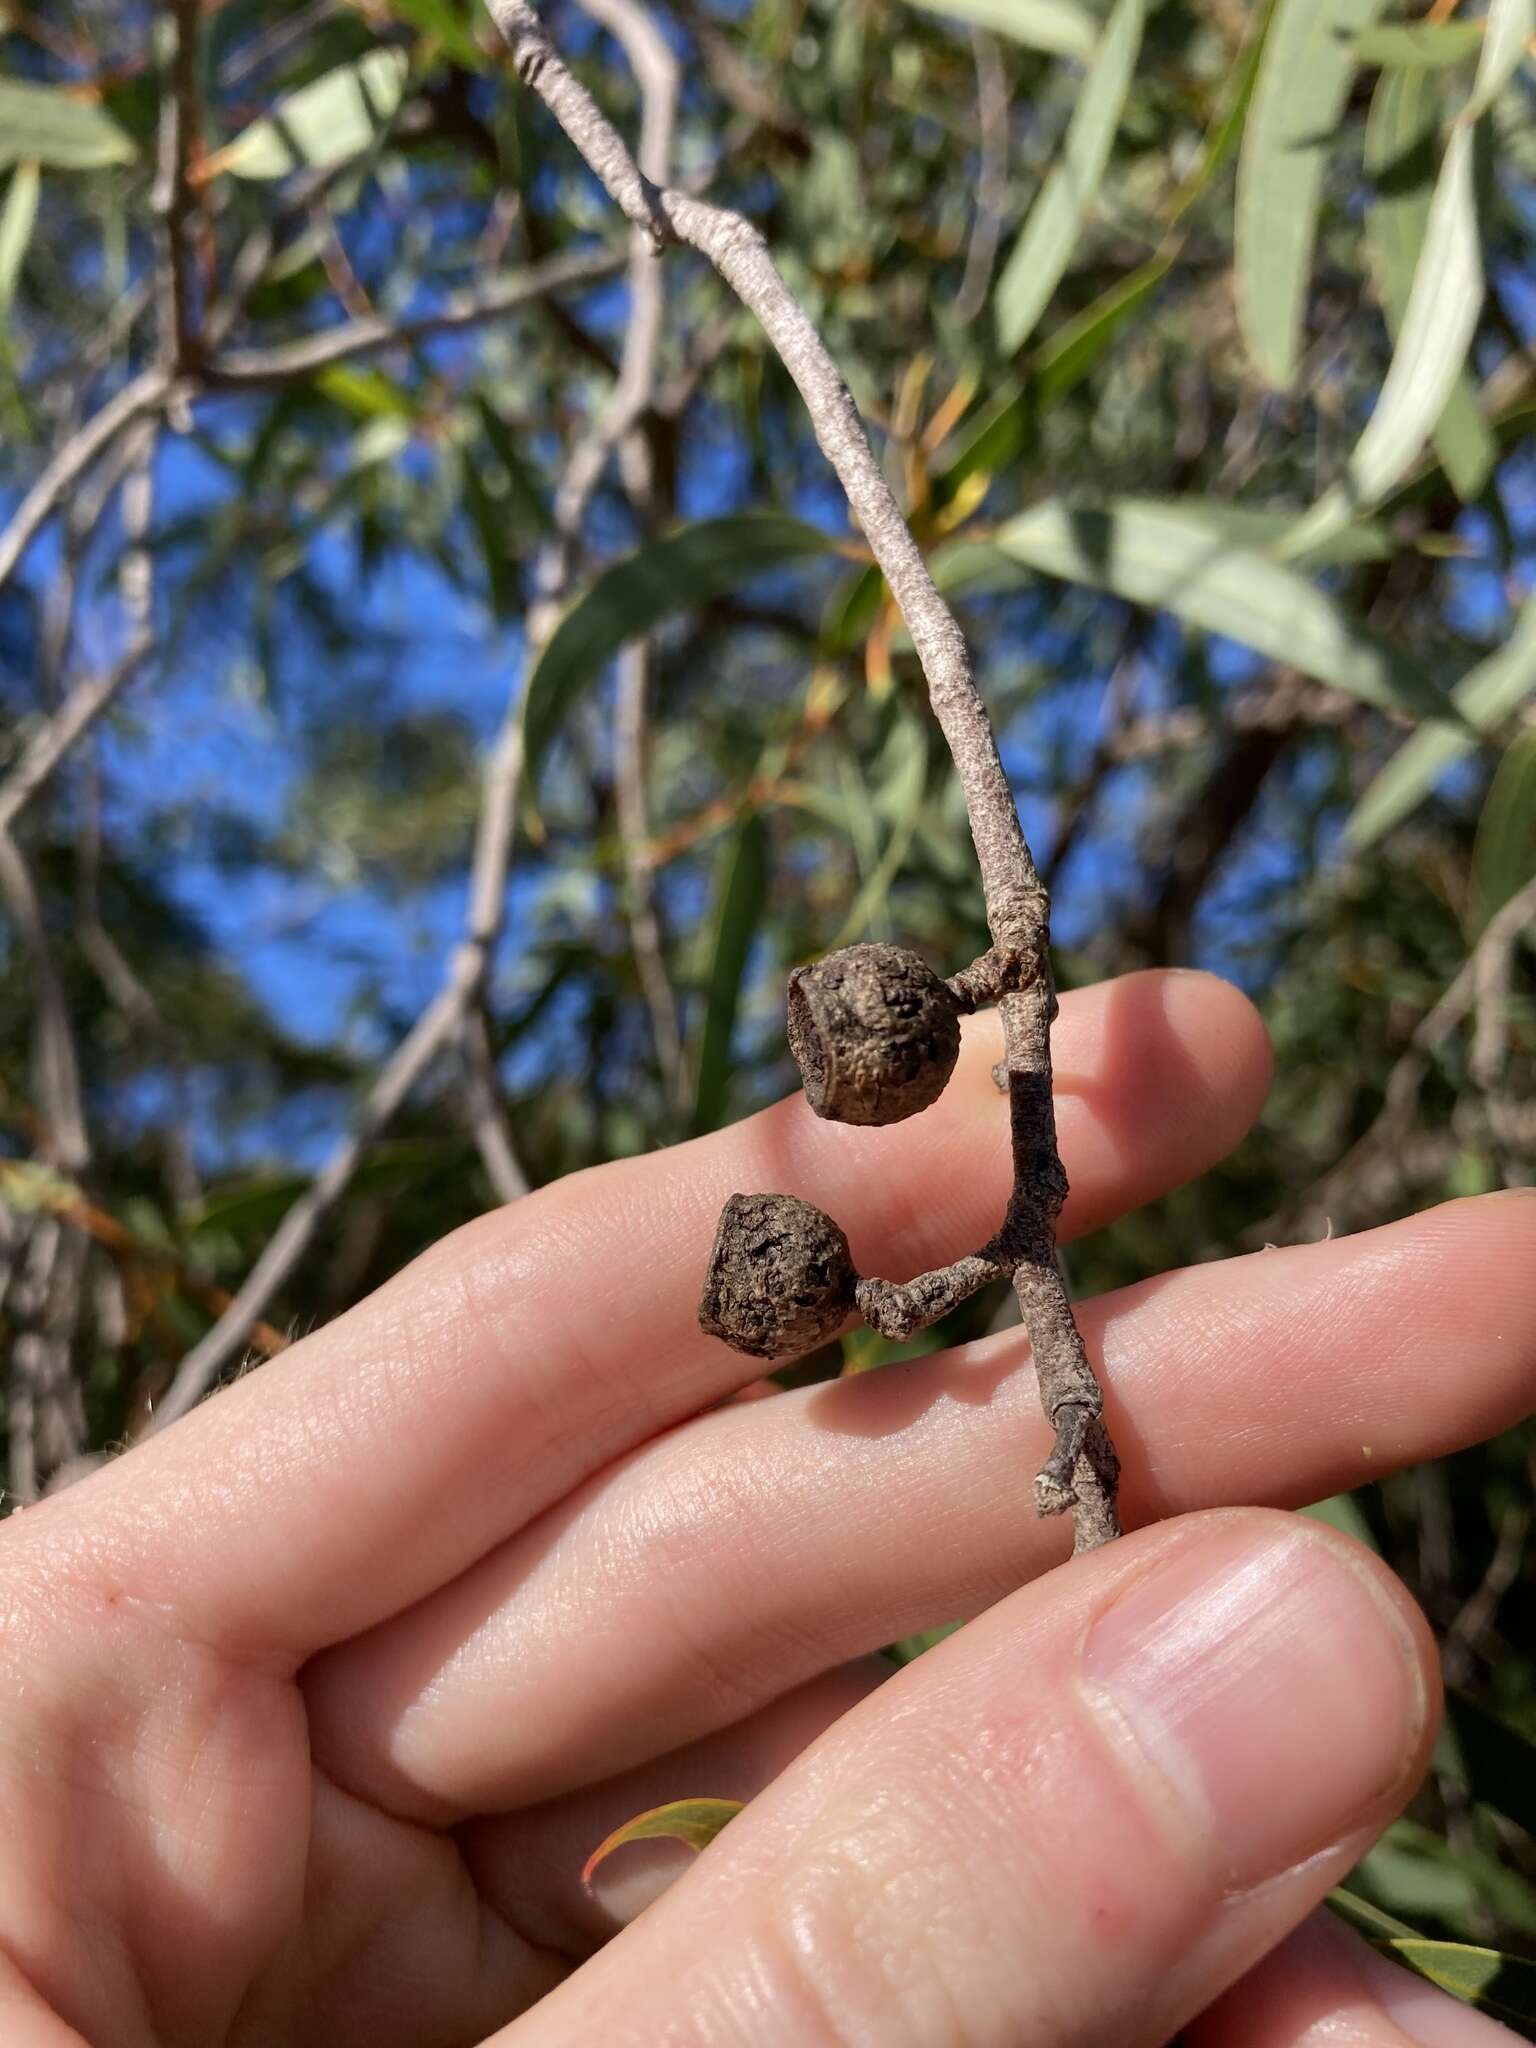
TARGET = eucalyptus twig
x,y
286,360
138,399
174,198
1082,1471
487,1114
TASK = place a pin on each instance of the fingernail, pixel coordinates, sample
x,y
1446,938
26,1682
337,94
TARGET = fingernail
x,y
1426,2015
1273,1686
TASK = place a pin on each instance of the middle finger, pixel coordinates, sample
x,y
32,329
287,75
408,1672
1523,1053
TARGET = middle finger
x,y
739,1556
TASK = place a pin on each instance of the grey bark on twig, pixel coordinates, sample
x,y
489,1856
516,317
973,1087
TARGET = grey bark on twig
x,y
1016,901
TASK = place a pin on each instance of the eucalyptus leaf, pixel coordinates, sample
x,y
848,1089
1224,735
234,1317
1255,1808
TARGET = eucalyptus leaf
x,y
1437,330
1485,697
334,117
1401,135
1303,83
712,558
1059,27
1503,1986
1163,556
1509,26
44,124
1055,224
1420,45
18,217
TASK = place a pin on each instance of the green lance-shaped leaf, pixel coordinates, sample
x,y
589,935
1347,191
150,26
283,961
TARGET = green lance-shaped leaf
x,y
901,772
1059,26
18,216
45,125
1169,557
1500,1985
1485,697
1504,853
1437,331
1420,45
1302,86
999,431
695,1822
1051,233
1401,136
710,559
1508,28
1364,1917
741,895
334,117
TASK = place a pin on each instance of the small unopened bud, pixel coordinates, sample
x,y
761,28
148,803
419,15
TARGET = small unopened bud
x,y
780,1277
875,1034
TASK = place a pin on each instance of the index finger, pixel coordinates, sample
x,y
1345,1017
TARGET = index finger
x,y
376,1460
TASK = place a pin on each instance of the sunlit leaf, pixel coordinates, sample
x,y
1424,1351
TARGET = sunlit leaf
x,y
1485,697
1302,86
1501,1985
334,117
1401,136
52,127
368,393
712,558
1059,26
741,894
1157,555
695,1822
17,218
1264,529
1437,330
1419,45
1051,233
1509,27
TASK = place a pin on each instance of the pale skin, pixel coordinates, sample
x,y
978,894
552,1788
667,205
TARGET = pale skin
x,y
312,1705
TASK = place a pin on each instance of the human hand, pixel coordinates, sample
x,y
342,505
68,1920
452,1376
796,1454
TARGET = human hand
x,y
314,1704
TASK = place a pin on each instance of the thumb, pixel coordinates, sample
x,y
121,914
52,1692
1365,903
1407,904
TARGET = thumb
x,y
1076,1821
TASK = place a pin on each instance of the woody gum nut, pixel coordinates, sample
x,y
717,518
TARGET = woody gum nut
x,y
780,1277
874,1032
